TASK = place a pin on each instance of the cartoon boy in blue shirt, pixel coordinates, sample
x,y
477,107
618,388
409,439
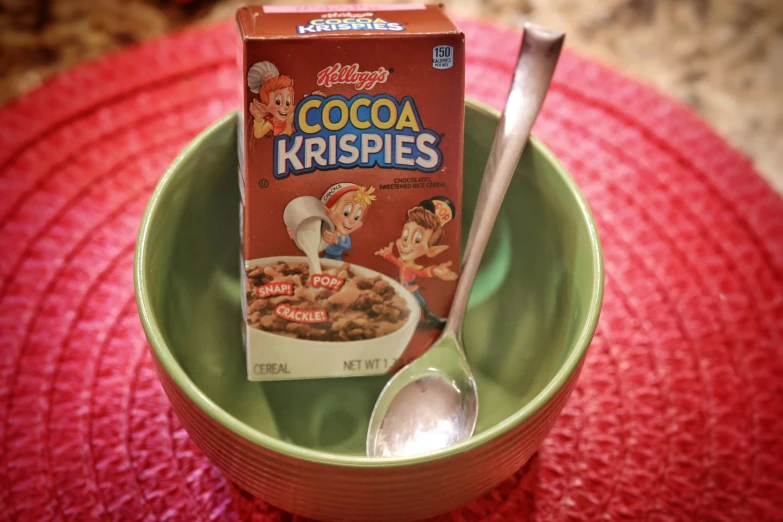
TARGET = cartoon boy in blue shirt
x,y
346,204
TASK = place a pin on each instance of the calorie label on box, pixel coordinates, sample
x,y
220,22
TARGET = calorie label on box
x,y
350,143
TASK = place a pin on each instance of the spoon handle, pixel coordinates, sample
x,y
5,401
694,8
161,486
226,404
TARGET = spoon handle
x,y
538,56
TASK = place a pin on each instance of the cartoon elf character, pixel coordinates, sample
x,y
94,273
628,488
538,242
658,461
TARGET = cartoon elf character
x,y
273,111
421,236
346,205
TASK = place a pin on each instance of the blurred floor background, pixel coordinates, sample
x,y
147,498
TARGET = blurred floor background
x,y
723,58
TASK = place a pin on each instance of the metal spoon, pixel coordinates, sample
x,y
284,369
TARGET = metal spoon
x,y
432,402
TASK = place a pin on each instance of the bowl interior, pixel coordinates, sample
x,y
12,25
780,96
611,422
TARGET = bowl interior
x,y
535,300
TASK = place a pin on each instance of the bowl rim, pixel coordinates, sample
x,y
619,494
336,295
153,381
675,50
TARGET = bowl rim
x,y
169,363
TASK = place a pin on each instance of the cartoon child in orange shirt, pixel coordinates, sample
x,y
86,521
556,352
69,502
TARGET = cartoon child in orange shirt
x,y
273,111
421,236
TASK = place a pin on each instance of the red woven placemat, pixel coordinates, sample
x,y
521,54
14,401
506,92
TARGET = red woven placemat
x,y
677,415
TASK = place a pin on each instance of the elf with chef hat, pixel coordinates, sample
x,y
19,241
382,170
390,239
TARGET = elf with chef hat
x,y
421,236
346,205
273,111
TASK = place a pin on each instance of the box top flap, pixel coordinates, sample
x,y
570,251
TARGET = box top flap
x,y
307,21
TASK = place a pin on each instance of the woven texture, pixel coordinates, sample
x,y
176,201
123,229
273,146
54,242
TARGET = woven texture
x,y
677,414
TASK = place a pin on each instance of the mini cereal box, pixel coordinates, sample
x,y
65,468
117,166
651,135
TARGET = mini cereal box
x,y
350,144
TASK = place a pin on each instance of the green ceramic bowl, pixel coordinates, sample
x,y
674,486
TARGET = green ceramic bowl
x,y
299,444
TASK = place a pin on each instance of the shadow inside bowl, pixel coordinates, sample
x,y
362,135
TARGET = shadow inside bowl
x,y
529,305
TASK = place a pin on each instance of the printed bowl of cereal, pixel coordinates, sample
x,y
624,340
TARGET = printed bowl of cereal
x,y
320,324
300,444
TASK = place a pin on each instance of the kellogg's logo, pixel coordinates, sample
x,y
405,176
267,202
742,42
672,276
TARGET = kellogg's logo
x,y
351,75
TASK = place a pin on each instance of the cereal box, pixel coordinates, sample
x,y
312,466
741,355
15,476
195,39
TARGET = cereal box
x,y
350,144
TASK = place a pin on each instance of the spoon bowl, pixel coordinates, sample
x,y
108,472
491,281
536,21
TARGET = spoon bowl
x,y
430,404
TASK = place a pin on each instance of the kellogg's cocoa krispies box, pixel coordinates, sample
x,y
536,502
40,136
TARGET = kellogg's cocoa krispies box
x,y
350,143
